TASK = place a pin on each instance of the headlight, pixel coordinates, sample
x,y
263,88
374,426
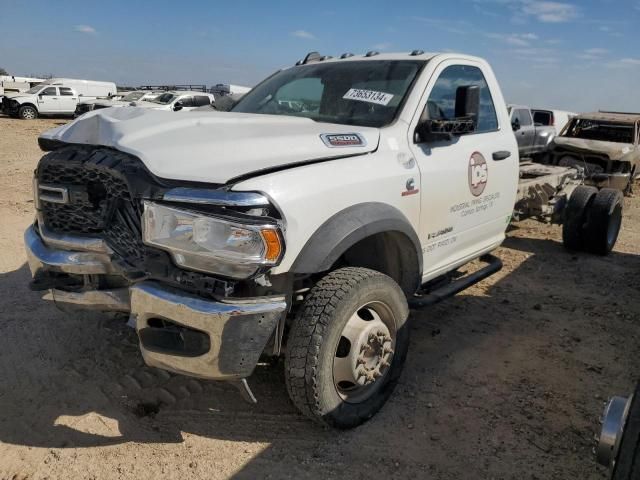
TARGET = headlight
x,y
210,244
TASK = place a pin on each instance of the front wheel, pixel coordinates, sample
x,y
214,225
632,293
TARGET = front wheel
x,y
27,113
347,346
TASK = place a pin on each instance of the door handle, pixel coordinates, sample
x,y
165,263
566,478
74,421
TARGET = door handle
x,y
501,155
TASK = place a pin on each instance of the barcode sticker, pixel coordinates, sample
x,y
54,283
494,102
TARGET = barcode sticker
x,y
371,96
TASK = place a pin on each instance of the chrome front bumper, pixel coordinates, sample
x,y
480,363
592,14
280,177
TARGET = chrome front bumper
x,y
178,331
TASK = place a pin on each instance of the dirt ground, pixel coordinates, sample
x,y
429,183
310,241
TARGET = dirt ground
x,y
506,380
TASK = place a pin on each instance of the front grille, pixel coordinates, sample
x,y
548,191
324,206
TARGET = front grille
x,y
100,201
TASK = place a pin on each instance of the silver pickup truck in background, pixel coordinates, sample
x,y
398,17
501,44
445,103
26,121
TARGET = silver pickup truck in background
x,y
533,139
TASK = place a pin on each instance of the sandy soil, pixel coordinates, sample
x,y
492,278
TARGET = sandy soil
x,y
506,380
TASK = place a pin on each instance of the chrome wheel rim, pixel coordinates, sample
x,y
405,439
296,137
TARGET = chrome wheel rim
x,y
28,114
364,352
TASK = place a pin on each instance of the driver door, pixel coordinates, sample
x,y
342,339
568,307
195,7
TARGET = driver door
x,y
463,208
48,100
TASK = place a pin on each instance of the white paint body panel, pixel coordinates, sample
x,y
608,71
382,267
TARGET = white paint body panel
x,y
208,146
215,147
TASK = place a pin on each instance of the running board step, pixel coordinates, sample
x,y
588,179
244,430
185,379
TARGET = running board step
x,y
494,265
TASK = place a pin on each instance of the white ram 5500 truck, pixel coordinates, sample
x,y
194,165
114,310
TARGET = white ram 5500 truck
x,y
269,230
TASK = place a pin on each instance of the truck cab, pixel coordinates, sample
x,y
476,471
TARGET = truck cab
x,y
270,230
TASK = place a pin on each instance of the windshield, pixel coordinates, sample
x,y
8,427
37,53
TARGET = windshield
x,y
366,93
34,90
132,97
601,130
164,99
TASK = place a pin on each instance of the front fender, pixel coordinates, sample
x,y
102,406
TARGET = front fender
x,y
346,228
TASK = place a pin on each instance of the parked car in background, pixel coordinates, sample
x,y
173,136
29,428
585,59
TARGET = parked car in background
x,y
177,100
532,139
552,118
223,89
123,101
605,145
58,96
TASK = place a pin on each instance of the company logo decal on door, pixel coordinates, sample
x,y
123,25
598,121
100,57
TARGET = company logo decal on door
x,y
478,174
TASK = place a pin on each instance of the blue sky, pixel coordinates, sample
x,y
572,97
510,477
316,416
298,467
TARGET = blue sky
x,y
561,54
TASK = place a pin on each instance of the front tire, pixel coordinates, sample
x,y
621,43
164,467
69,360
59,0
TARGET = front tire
x,y
27,112
347,346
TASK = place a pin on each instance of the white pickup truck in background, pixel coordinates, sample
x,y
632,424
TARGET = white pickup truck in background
x,y
57,96
176,100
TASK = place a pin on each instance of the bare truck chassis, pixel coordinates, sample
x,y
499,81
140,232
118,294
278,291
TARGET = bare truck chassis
x,y
591,217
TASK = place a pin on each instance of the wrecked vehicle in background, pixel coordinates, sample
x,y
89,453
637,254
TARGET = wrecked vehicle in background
x,y
605,144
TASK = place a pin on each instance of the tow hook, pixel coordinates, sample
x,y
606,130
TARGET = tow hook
x,y
243,386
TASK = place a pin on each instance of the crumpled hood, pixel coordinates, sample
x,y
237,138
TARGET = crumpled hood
x,y
613,150
210,146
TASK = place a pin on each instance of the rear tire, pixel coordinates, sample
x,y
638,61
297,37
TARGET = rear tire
x,y
322,348
27,112
604,221
575,217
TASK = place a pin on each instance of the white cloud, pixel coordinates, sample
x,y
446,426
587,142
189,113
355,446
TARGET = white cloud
x,y
596,51
459,27
624,63
303,34
543,11
550,12
382,46
85,29
514,39
593,54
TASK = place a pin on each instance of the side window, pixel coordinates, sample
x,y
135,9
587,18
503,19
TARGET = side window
x,y
441,102
303,94
525,118
49,91
543,118
66,91
186,101
201,100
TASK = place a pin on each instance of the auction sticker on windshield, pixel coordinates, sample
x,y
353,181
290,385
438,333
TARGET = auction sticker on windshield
x,y
371,96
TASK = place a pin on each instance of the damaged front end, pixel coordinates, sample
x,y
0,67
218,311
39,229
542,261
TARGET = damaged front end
x,y
94,246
